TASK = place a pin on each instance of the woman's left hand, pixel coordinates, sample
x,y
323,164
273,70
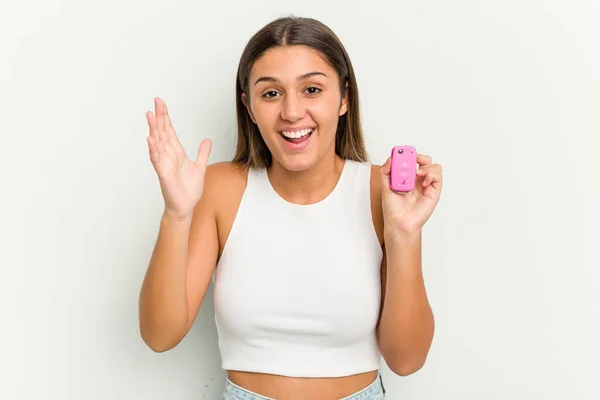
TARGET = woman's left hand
x,y
406,213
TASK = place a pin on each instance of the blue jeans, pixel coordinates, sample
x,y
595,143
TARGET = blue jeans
x,y
375,391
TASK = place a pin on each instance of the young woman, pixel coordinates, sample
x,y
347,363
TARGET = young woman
x,y
316,262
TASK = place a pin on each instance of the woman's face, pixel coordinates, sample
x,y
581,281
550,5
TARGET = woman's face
x,y
294,98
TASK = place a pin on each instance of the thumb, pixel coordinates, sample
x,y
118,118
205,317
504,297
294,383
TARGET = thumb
x,y
203,153
384,175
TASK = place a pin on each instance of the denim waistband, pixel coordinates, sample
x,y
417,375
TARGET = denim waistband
x,y
375,391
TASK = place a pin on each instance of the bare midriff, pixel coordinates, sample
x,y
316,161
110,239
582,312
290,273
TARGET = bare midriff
x,y
290,388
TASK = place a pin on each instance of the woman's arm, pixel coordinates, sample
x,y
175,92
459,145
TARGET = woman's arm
x,y
179,272
406,326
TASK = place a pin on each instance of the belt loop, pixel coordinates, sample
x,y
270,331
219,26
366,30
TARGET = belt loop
x,y
381,381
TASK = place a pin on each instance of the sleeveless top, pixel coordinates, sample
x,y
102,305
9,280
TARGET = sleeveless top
x,y
297,290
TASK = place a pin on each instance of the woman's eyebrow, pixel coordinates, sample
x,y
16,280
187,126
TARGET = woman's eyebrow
x,y
300,78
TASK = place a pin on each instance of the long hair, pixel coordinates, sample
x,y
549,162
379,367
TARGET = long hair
x,y
251,149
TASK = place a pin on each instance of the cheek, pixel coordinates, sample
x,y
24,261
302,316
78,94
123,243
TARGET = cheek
x,y
326,117
267,118
266,114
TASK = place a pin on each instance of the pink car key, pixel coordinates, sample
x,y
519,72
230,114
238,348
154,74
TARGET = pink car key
x,y
404,169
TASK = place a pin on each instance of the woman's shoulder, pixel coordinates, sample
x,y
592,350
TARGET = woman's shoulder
x,y
224,186
225,183
225,179
226,168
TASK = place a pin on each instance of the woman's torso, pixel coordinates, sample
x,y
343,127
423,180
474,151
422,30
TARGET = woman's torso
x,y
273,385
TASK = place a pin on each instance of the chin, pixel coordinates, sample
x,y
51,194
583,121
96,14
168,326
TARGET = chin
x,y
297,162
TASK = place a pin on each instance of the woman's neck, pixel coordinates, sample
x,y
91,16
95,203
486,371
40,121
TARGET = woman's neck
x,y
309,186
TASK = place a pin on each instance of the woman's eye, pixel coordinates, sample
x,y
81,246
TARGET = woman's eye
x,y
272,93
269,92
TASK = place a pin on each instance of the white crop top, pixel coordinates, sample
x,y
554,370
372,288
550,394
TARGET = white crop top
x,y
297,290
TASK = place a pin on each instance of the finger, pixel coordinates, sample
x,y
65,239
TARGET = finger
x,y
434,188
437,183
384,175
152,124
423,170
431,177
426,179
160,119
169,128
437,177
436,168
386,168
203,153
154,129
153,149
423,159
154,133
168,124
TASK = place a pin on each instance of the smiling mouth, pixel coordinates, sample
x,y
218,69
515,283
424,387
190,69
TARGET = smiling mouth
x,y
297,137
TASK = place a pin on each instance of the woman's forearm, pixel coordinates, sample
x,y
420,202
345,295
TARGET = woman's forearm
x,y
407,323
163,309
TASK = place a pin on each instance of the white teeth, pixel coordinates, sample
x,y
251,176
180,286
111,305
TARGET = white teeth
x,y
297,134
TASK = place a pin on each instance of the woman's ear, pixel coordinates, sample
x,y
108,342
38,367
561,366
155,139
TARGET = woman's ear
x,y
344,105
245,101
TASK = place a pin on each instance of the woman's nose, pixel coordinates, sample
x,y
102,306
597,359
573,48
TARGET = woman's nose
x,y
292,108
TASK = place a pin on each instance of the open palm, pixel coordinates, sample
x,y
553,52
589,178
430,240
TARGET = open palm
x,y
181,179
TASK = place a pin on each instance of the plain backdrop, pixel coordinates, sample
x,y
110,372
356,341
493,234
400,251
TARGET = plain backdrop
x,y
504,94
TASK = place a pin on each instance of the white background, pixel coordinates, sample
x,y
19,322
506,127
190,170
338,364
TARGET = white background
x,y
504,94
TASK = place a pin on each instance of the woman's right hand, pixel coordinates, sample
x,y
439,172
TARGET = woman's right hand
x,y
181,180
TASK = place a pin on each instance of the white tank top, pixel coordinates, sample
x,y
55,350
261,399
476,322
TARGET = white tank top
x,y
297,290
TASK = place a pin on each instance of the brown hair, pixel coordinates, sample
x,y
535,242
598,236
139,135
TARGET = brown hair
x,y
251,149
